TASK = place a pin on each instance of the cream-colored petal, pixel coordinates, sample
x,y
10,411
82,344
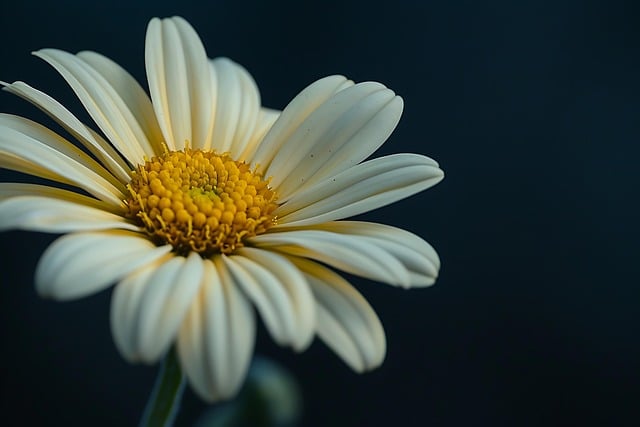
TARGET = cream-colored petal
x,y
266,119
346,322
164,303
192,350
23,153
238,107
100,148
346,252
125,304
294,115
180,82
48,137
418,256
81,264
362,188
216,339
103,103
15,189
340,133
131,93
242,328
37,213
295,285
282,299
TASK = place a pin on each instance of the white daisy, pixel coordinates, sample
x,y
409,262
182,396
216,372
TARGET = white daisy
x,y
200,205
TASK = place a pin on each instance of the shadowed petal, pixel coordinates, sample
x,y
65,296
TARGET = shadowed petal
x,y
238,107
216,339
283,300
125,303
348,253
81,264
163,304
375,251
346,322
418,256
266,119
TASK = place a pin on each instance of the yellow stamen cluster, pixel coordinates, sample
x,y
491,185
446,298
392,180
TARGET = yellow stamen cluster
x,y
200,201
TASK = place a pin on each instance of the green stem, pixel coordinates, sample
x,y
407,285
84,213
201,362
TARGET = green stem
x,y
165,398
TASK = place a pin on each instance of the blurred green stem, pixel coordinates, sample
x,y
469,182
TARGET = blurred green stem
x,y
165,398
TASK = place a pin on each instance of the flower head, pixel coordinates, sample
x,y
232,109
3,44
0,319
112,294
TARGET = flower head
x,y
201,205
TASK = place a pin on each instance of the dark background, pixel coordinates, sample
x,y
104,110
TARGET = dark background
x,y
532,110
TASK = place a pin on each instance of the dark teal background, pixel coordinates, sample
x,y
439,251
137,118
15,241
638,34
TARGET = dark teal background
x,y
532,109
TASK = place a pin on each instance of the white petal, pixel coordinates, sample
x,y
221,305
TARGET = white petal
x,y
266,119
191,347
103,103
282,299
125,303
216,339
81,264
180,83
295,285
164,303
132,94
50,215
418,256
23,153
346,322
238,107
362,188
48,137
15,189
89,139
352,254
294,115
339,134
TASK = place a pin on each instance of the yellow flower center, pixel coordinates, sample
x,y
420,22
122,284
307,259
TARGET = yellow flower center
x,y
200,201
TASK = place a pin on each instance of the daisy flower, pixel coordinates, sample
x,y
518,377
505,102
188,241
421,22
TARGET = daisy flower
x,y
205,208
